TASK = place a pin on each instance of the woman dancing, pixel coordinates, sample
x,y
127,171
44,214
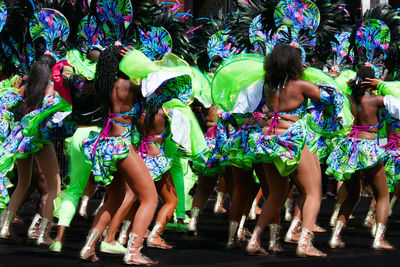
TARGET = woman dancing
x,y
283,145
114,159
359,152
39,94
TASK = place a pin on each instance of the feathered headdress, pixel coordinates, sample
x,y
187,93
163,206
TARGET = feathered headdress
x,y
214,39
341,57
170,34
376,40
298,23
15,49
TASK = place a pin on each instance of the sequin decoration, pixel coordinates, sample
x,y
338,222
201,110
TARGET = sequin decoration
x,y
114,14
221,44
51,25
3,14
89,31
155,42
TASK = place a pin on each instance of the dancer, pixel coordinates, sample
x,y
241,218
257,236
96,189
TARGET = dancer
x,y
86,114
283,144
360,152
39,98
114,159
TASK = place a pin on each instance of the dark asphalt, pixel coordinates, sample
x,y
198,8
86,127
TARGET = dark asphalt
x,y
208,249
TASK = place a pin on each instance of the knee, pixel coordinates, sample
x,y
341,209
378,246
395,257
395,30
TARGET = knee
x,y
150,201
174,202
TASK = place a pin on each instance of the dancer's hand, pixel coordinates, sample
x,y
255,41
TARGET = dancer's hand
x,y
126,50
21,91
16,83
371,82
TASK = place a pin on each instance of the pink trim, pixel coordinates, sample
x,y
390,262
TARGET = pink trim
x,y
392,142
104,132
274,126
355,131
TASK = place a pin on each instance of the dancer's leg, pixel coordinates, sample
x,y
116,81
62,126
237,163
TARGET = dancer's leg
x,y
272,205
376,177
307,177
166,189
24,167
141,183
119,216
24,180
242,180
103,217
48,164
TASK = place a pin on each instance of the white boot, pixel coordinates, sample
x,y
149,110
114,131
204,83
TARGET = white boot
x,y
232,240
133,256
124,232
31,229
392,203
335,214
101,204
274,245
192,226
289,235
83,207
44,230
335,242
218,202
252,213
5,226
379,242
90,239
369,217
240,229
288,209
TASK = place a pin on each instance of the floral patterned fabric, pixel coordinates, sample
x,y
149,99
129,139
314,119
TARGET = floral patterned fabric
x,y
19,145
8,101
50,24
157,165
240,145
114,15
155,42
325,120
3,14
107,152
391,159
283,150
213,161
351,154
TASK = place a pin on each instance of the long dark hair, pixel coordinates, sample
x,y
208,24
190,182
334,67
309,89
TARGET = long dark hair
x,y
107,70
199,111
37,81
357,90
282,64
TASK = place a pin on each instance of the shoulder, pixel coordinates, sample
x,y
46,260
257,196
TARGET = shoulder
x,y
49,89
372,100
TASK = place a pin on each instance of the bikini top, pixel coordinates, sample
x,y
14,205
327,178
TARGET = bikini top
x,y
134,113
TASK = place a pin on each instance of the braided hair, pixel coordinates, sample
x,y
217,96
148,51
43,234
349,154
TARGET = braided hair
x,y
107,70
